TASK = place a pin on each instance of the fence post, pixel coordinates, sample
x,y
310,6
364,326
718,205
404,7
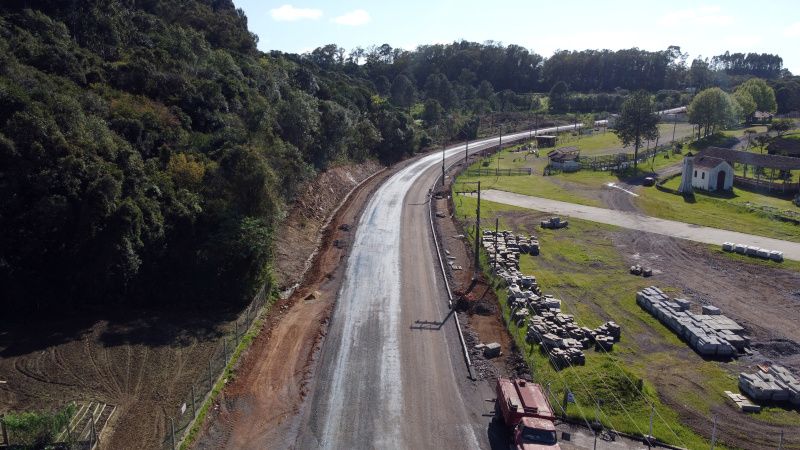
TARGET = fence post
x,y
93,439
172,426
3,428
780,443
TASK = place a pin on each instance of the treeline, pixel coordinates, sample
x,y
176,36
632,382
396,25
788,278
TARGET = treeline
x,y
486,77
147,150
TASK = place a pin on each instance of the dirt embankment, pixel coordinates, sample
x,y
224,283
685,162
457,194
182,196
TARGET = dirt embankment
x,y
299,235
259,408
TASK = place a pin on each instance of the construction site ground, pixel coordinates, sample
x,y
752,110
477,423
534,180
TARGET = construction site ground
x,y
259,407
144,362
764,298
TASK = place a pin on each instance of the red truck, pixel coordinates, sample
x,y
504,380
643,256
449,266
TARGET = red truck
x,y
524,408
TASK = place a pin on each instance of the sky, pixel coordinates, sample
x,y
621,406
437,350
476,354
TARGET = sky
x,y
700,29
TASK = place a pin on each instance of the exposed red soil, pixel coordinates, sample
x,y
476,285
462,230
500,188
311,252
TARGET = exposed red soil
x,y
258,409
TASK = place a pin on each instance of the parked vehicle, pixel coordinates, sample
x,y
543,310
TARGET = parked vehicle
x,y
525,410
649,181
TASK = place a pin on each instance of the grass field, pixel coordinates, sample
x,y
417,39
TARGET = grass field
x,y
728,213
738,212
607,143
580,266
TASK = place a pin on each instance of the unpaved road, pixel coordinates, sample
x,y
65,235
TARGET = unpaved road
x,y
636,221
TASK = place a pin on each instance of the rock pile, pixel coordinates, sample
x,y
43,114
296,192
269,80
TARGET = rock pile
x,y
559,336
709,333
776,385
507,251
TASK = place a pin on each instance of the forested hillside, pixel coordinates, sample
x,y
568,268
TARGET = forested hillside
x,y
148,150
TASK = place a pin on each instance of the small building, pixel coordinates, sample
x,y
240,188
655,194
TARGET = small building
x,y
543,141
565,158
712,174
762,117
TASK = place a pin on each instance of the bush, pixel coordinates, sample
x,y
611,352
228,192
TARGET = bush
x,y
37,430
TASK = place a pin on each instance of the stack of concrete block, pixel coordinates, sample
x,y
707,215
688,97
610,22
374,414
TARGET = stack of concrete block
x,y
742,402
750,250
709,333
777,385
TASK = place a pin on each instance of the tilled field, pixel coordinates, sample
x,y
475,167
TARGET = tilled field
x,y
143,365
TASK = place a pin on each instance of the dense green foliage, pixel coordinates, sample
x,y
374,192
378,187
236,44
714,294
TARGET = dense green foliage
x,y
31,430
713,109
147,149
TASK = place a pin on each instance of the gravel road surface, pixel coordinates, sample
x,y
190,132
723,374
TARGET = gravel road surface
x,y
635,221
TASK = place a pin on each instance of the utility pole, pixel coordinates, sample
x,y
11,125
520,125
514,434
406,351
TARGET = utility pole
x,y
780,443
714,434
478,232
172,426
442,164
500,146
3,429
466,154
674,125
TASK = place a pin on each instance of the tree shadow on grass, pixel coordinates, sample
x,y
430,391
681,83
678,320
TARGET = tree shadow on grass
x,y
152,327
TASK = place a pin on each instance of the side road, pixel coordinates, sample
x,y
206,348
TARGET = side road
x,y
635,221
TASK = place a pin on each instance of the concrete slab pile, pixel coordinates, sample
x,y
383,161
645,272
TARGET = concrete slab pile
x,y
762,253
506,252
559,336
709,334
776,385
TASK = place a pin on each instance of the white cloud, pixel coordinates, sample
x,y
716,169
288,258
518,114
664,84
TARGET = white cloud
x,y
792,30
353,18
288,13
699,16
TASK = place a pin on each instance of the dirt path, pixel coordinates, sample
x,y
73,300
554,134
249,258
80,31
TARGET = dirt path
x,y
274,374
637,221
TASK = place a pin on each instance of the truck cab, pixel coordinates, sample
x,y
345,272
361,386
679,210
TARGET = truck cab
x,y
524,408
532,433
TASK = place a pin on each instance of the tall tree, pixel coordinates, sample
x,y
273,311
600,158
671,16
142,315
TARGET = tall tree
x,y
558,98
637,122
403,91
763,95
712,109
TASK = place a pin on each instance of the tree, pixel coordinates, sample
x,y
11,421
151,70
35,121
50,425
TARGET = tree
x,y
403,91
711,109
746,103
781,126
637,122
762,94
558,98
432,112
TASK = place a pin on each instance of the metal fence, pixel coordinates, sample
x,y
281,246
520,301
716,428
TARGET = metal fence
x,y
186,411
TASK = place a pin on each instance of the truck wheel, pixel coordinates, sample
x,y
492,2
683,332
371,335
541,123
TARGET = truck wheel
x,y
498,413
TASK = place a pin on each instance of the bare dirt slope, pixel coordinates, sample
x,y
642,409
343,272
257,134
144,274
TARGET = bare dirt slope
x,y
258,409
298,236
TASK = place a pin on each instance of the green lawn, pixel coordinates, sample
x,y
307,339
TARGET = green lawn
x,y
607,143
728,213
739,132
581,266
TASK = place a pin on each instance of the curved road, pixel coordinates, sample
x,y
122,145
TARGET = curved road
x,y
391,373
